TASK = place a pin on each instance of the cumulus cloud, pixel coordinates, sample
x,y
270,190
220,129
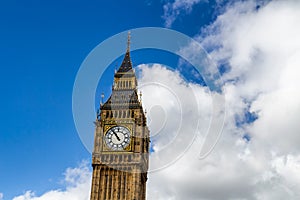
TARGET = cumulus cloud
x,y
1,195
177,7
257,47
190,178
261,48
236,169
173,111
77,186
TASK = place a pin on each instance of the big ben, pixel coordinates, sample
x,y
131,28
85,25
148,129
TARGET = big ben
x,y
121,145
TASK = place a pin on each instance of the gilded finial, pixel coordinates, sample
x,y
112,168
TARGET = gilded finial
x,y
128,41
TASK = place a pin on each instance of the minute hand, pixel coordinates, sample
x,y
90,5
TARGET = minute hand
x,y
116,135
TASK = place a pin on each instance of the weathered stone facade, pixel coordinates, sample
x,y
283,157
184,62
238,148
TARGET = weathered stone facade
x,y
120,169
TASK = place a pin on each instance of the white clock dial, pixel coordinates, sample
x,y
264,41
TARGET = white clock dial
x,y
117,138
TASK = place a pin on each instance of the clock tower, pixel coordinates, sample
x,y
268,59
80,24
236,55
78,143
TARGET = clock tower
x,y
121,146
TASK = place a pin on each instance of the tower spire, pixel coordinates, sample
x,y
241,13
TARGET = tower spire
x,y
128,41
126,63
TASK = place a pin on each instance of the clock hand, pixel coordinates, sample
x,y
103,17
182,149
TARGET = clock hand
x,y
116,135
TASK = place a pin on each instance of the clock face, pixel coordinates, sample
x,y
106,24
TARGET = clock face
x,y
117,138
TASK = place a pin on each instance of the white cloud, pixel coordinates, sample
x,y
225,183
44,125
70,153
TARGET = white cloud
x,y
1,196
77,187
236,169
169,99
189,178
174,9
261,49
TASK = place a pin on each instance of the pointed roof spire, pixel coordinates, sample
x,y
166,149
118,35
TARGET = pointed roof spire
x,y
128,41
126,63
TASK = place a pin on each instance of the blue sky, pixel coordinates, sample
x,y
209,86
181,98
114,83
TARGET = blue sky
x,y
42,46
254,43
